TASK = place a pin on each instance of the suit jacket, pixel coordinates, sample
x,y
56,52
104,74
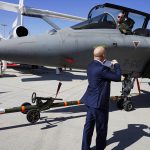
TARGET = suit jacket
x,y
99,76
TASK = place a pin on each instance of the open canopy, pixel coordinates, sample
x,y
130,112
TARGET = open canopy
x,y
140,18
105,17
117,8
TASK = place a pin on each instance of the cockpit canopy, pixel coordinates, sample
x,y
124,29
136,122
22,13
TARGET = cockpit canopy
x,y
105,17
102,21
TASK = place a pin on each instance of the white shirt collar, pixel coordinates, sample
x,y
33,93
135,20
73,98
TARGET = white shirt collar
x,y
100,61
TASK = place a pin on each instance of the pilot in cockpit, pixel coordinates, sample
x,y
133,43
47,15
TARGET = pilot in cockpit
x,y
125,24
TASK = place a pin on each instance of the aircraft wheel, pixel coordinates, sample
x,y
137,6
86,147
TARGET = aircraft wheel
x,y
128,106
120,104
33,115
26,104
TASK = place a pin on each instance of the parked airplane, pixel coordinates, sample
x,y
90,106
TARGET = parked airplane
x,y
18,30
72,47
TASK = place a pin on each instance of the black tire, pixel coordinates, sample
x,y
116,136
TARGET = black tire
x,y
26,104
33,115
120,104
128,106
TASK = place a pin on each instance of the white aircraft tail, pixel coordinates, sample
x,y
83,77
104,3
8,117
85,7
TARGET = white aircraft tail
x,y
8,6
19,19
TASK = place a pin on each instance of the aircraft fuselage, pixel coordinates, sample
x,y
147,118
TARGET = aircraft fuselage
x,y
73,48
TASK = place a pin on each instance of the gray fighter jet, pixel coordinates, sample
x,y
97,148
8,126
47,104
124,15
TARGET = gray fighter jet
x,y
72,47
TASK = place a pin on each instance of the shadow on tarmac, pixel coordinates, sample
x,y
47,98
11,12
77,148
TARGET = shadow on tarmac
x,y
50,74
50,122
129,136
61,77
142,100
8,76
3,92
27,69
59,120
139,101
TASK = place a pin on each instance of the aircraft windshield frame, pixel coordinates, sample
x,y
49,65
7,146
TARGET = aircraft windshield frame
x,y
102,21
100,10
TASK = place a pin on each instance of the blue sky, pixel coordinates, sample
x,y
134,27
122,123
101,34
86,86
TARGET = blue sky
x,y
73,7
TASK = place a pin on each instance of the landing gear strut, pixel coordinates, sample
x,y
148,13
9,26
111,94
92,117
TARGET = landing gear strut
x,y
124,102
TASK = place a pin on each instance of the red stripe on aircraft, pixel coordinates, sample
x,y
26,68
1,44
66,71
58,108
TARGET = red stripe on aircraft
x,y
70,60
12,65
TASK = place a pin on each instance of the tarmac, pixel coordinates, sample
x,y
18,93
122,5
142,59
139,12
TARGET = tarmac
x,y
62,128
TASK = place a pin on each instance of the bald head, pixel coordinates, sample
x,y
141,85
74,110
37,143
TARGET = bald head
x,y
99,52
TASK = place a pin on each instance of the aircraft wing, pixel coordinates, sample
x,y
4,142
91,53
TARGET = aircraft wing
x,y
39,13
9,6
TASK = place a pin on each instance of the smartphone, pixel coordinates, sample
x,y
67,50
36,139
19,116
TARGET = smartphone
x,y
108,63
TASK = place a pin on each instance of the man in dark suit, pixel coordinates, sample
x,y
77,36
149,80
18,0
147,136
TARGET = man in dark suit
x,y
96,98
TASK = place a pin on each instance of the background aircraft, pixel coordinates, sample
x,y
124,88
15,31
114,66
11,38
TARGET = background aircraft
x,y
19,30
72,47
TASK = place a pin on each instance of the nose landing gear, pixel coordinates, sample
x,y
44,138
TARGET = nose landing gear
x,y
124,102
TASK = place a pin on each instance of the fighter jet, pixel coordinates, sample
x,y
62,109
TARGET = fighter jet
x,y
72,47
